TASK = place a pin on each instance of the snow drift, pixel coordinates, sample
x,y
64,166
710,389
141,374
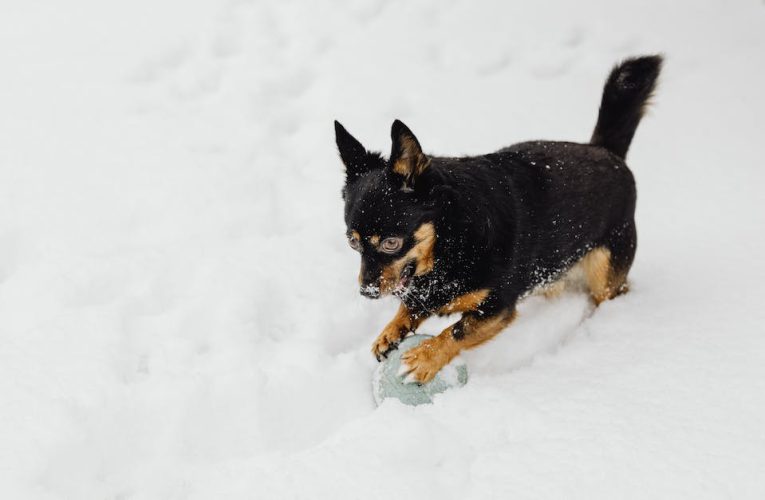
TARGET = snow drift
x,y
178,308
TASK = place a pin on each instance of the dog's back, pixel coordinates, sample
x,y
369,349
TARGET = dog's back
x,y
541,206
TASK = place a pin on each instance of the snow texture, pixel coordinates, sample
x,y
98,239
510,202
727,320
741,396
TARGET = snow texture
x,y
179,314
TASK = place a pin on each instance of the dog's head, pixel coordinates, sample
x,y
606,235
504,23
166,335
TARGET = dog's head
x,y
389,211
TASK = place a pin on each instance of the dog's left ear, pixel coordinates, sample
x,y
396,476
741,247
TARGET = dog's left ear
x,y
406,156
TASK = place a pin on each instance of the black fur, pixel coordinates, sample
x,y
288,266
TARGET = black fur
x,y
627,91
507,221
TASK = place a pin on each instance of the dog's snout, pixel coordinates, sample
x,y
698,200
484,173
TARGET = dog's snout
x,y
371,291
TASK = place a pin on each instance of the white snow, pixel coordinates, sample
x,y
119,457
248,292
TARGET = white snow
x,y
179,315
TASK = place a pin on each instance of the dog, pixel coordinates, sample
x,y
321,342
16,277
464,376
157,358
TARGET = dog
x,y
474,235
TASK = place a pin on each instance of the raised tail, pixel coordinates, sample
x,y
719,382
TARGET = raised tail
x,y
625,96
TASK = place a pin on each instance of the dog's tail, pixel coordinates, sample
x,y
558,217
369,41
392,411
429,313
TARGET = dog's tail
x,y
625,97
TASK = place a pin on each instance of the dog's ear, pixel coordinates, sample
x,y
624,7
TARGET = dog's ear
x,y
356,158
406,156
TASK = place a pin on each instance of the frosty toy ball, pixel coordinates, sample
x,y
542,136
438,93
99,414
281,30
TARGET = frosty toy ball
x,y
388,384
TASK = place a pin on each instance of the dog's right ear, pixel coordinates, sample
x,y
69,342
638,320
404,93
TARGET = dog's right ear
x,y
406,156
356,158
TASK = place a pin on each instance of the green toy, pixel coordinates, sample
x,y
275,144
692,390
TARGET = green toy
x,y
388,384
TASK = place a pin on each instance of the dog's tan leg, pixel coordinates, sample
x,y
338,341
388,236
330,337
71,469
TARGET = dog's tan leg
x,y
602,279
554,289
470,301
423,362
402,323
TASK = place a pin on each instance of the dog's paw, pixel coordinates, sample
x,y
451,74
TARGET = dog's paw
x,y
420,364
386,342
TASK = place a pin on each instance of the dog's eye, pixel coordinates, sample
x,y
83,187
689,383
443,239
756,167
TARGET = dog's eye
x,y
354,243
391,245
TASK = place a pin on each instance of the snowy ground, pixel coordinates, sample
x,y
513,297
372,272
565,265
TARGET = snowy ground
x,y
178,306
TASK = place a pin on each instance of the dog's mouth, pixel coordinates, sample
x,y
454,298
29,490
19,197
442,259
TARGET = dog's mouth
x,y
406,276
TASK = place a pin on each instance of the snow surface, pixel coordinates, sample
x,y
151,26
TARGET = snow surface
x,y
178,307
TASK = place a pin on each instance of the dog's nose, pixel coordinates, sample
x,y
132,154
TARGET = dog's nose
x,y
370,291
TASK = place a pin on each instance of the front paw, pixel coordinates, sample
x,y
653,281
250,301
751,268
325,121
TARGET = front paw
x,y
386,342
420,364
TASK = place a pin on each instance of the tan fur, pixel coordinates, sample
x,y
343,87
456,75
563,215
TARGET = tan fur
x,y
374,240
411,162
401,324
433,354
389,278
355,235
554,289
467,302
595,270
603,281
421,252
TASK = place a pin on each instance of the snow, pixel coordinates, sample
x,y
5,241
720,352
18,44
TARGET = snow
x,y
179,314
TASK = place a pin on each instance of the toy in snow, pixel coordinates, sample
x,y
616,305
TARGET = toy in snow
x,y
389,383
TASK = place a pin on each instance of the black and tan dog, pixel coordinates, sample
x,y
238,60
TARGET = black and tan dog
x,y
474,235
